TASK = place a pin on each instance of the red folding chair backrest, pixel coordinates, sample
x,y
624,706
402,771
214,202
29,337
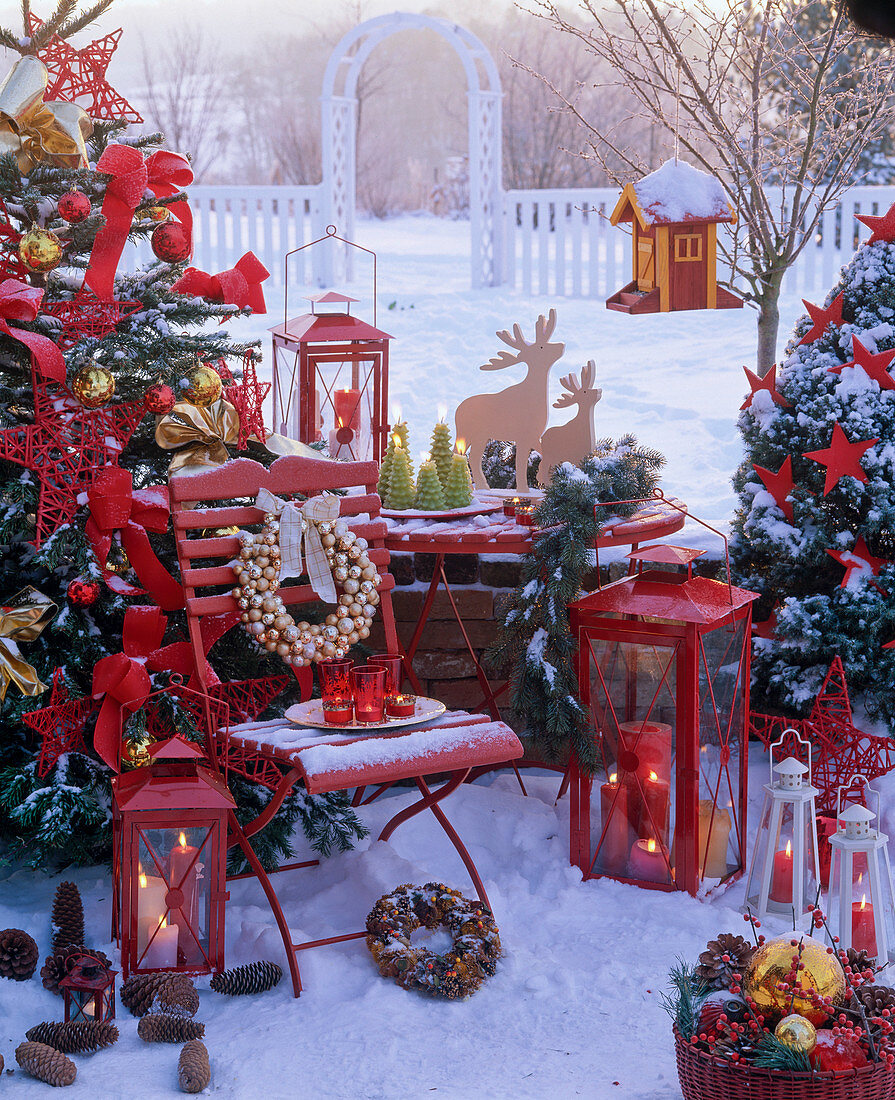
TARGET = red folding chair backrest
x,y
224,497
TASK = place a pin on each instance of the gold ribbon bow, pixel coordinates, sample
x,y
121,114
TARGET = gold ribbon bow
x,y
22,620
36,131
198,435
298,531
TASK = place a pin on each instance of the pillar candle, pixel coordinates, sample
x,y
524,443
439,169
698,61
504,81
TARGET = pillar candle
x,y
347,408
646,862
717,828
616,828
654,808
182,873
151,908
651,743
781,879
863,934
161,953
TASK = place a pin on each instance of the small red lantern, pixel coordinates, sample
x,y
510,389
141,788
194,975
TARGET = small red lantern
x,y
170,846
89,991
663,665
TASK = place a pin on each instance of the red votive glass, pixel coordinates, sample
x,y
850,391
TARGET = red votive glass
x,y
510,505
400,706
338,711
335,679
368,684
525,515
393,663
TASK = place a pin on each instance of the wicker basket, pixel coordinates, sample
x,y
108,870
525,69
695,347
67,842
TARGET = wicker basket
x,y
704,1077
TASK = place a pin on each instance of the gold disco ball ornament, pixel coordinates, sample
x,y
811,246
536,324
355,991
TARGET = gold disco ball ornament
x,y
93,386
796,1032
40,249
770,965
201,386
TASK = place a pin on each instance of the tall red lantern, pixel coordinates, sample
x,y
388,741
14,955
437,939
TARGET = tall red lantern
x,y
170,845
663,665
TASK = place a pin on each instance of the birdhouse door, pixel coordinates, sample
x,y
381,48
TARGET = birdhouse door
x,y
688,269
646,263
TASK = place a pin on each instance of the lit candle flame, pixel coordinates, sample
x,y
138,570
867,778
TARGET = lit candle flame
x,y
163,923
613,778
143,880
182,840
650,845
863,901
789,847
442,413
653,777
396,440
341,424
461,446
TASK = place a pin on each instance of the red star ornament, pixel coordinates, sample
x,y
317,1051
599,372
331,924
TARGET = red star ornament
x,y
779,485
858,561
841,458
247,397
768,628
769,383
874,365
881,228
60,723
821,318
86,316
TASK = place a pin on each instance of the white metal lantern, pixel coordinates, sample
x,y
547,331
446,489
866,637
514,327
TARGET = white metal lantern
x,y
784,870
862,897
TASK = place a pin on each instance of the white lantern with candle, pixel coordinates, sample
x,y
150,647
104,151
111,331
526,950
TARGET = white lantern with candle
x,y
783,874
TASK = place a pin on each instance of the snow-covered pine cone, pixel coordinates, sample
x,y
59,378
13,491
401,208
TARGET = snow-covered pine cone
x,y
176,999
60,963
68,916
75,1037
161,1028
46,1064
712,969
256,977
193,1069
18,954
140,990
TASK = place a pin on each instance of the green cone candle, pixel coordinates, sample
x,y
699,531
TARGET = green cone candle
x,y
429,493
458,491
442,450
401,490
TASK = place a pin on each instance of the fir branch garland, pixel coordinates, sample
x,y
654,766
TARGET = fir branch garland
x,y
682,1003
534,640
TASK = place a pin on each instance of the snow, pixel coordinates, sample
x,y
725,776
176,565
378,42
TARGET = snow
x,y
678,192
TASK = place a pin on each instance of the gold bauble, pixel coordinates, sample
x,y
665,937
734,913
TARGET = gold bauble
x,y
201,386
40,249
218,532
117,561
773,961
93,386
796,1032
157,213
136,753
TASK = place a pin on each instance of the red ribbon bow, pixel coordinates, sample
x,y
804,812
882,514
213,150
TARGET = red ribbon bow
x,y
114,506
20,302
239,285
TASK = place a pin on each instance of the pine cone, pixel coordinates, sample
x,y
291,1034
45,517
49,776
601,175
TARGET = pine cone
x,y
18,955
193,1070
160,1028
712,969
874,998
68,916
75,1037
139,991
254,978
859,961
176,999
60,963
46,1064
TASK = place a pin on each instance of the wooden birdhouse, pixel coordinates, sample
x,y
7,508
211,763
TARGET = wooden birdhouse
x,y
674,214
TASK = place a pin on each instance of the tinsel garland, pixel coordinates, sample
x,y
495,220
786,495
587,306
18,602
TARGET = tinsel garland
x,y
534,640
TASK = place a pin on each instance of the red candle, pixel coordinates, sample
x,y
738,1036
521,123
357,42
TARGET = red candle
x,y
863,934
647,863
651,743
182,874
393,663
400,706
347,406
781,880
654,807
338,712
368,688
525,515
510,506
616,831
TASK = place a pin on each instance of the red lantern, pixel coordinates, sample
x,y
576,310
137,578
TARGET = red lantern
x,y
89,991
170,846
663,665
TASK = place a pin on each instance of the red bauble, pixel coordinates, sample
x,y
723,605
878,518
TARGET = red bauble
x,y
170,242
74,206
159,399
837,1052
83,593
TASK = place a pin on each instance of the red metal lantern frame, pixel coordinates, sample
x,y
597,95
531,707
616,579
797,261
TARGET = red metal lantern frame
x,y
81,988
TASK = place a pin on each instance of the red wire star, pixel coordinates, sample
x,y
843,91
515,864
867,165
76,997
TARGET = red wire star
x,y
882,228
769,383
247,397
768,628
820,318
874,365
76,74
86,316
779,485
60,723
841,458
859,561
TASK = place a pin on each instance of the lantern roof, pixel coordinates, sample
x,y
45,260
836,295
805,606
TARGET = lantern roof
x,y
175,748
328,297
315,328
154,788
666,554
791,766
856,813
664,595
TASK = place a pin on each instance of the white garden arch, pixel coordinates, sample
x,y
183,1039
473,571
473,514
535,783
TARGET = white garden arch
x,y
339,107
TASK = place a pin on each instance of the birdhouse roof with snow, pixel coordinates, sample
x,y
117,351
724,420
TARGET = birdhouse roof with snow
x,y
675,194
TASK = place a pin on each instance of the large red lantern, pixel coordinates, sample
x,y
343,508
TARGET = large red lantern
x,y
170,847
663,665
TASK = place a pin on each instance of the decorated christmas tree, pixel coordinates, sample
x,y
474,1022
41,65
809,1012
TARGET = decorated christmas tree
x,y
814,531
87,356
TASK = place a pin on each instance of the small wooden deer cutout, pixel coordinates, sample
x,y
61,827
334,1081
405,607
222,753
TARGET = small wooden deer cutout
x,y
519,413
574,440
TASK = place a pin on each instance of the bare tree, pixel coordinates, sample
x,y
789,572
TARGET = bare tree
x,y
705,71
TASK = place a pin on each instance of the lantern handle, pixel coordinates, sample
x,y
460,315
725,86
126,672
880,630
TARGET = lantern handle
x,y
868,790
331,234
779,744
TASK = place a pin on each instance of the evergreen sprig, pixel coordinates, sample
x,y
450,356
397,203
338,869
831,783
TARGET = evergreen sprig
x,y
683,1001
772,1054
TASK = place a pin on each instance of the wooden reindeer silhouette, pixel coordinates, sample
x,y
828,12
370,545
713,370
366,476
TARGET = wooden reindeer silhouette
x,y
519,413
570,442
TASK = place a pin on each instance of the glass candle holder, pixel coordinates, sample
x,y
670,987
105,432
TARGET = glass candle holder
x,y
368,684
510,505
338,711
525,515
393,663
400,706
335,679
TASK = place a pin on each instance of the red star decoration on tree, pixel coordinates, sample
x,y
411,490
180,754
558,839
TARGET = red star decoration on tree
x,y
75,74
247,397
841,458
60,723
779,485
87,316
769,383
874,365
859,561
768,628
881,228
820,318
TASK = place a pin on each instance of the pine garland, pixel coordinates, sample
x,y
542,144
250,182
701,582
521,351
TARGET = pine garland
x,y
682,1003
534,640
772,1054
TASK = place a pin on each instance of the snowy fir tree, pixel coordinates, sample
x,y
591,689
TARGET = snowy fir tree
x,y
87,357
815,531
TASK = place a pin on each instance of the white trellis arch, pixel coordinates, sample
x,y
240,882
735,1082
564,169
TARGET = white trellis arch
x,y
339,107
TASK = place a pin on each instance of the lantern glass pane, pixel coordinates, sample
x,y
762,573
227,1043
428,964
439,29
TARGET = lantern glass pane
x,y
633,705
344,404
82,1005
173,896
